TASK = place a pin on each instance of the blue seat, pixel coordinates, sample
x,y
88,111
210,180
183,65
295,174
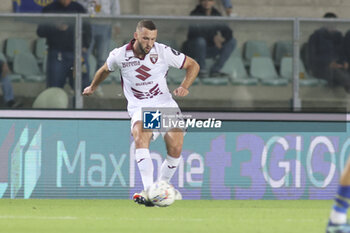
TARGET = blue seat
x,y
239,74
26,65
255,48
16,46
214,80
286,71
263,69
40,50
13,77
176,76
282,49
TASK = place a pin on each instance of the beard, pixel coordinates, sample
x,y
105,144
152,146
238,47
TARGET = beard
x,y
143,50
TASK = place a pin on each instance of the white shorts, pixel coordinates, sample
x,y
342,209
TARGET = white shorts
x,y
137,116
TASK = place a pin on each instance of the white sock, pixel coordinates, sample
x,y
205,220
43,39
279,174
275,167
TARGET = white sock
x,y
337,217
169,167
145,164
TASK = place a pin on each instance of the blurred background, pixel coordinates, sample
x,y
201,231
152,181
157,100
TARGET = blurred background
x,y
270,69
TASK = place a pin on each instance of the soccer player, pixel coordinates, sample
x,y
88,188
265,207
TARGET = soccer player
x,y
338,217
144,64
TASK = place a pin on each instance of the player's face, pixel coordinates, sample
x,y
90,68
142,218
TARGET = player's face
x,y
145,39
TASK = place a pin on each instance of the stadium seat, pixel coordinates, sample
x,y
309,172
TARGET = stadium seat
x,y
239,75
264,69
44,65
215,81
15,46
93,68
13,77
282,49
286,71
237,52
40,49
26,65
176,76
53,97
228,66
2,57
255,48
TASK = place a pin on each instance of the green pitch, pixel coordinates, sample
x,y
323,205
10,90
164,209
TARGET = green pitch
x,y
123,216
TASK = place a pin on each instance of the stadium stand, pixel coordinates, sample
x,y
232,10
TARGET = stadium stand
x,y
26,65
282,49
286,71
264,69
272,34
239,75
16,46
40,49
255,48
176,76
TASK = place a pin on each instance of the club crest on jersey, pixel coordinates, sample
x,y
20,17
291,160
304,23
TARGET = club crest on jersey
x,y
153,58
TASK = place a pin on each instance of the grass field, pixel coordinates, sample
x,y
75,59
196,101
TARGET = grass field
x,y
102,216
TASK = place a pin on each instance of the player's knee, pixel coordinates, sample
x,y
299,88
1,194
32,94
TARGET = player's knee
x,y
175,150
141,141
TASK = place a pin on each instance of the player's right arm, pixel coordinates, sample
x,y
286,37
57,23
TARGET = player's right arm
x,y
100,75
192,69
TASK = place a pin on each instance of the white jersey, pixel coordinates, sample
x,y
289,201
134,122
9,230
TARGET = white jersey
x,y
144,80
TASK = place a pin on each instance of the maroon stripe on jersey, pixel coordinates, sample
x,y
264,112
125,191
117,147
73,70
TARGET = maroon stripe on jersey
x,y
129,46
154,91
153,88
183,63
136,90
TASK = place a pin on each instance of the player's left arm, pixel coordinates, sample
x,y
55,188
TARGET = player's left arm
x,y
192,69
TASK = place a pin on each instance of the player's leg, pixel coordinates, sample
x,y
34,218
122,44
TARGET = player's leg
x,y
338,217
142,138
144,162
173,141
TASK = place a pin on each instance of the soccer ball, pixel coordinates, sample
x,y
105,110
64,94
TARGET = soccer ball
x,y
161,193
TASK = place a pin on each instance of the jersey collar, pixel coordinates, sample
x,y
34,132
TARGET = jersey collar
x,y
129,53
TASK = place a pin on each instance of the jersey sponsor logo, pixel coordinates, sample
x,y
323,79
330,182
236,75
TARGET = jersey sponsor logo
x,y
144,83
154,91
153,58
130,63
143,75
177,53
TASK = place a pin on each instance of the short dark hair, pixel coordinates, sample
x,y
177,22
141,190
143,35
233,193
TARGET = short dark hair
x,y
146,24
330,15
